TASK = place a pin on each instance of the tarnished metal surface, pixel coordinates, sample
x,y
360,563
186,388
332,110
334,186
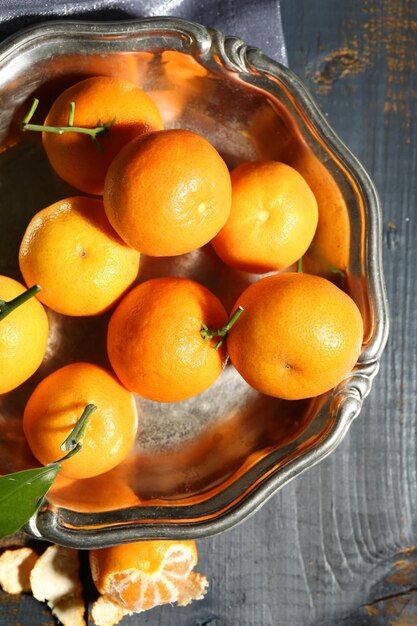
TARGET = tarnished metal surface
x,y
202,465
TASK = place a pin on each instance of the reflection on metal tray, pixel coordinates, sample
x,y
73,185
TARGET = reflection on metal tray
x,y
202,465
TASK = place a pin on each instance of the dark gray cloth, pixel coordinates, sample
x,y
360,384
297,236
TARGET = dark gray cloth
x,y
258,22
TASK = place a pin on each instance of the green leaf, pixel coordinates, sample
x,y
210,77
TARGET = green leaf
x,y
21,495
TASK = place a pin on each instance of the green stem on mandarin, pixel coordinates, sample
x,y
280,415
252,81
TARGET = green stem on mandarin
x,y
60,130
71,114
8,307
210,333
300,265
69,454
74,438
31,111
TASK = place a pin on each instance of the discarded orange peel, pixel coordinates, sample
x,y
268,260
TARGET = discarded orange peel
x,y
55,580
131,578
15,568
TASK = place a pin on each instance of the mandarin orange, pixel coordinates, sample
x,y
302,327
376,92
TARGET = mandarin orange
x,y
167,193
154,339
272,220
56,405
139,576
23,336
330,248
73,252
74,156
298,337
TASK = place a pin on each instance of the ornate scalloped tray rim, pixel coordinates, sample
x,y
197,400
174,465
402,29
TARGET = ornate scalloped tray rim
x,y
49,524
346,400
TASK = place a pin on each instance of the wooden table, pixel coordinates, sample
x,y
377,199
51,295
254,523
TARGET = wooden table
x,y
337,545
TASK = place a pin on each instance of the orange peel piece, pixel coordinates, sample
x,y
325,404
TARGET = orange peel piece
x,y
55,580
107,612
15,568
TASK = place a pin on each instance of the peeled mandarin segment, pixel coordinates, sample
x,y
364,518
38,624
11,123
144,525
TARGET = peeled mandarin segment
x,y
147,557
74,156
71,250
142,575
195,588
23,337
154,339
298,337
58,402
168,193
272,220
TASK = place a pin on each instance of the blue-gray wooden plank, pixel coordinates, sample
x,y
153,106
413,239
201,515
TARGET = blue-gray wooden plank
x,y
338,545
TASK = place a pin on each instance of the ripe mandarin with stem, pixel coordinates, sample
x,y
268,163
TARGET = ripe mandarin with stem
x,y
23,333
106,99
56,405
168,192
155,342
71,249
272,220
298,337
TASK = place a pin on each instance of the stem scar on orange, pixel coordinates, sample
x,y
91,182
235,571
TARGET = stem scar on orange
x,y
71,249
57,403
272,220
154,340
168,192
298,337
74,156
23,334
139,576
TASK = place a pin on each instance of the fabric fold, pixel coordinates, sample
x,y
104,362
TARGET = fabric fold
x,y
257,23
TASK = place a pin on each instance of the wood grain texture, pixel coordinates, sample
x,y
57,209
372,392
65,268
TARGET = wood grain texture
x,y
337,545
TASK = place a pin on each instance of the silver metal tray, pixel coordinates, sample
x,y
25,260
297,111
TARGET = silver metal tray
x,y
200,466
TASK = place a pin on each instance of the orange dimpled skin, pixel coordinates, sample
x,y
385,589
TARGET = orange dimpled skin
x,y
154,342
168,193
23,337
58,402
272,220
72,251
145,574
298,337
74,156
